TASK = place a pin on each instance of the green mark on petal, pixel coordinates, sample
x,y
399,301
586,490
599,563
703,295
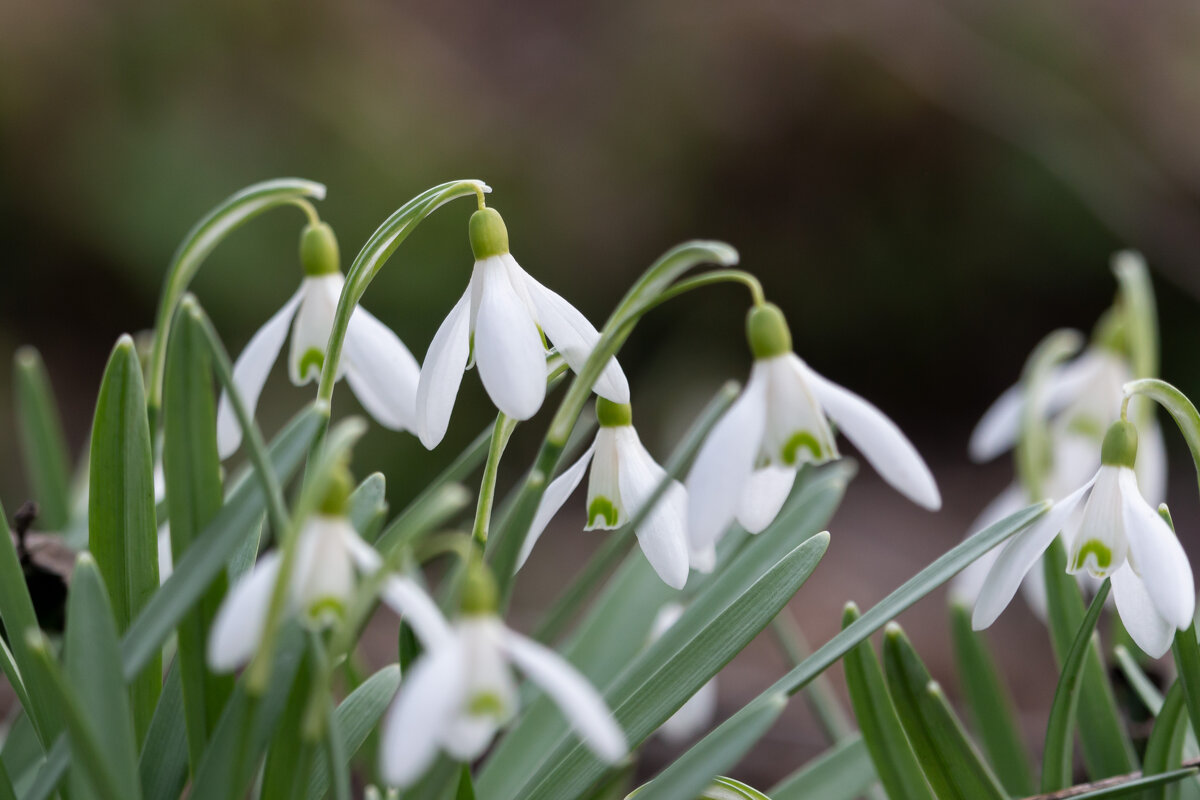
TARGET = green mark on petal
x,y
602,507
1096,548
326,609
486,704
312,359
801,440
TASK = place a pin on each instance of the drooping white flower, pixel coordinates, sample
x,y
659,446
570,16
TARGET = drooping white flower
x,y
1120,536
697,713
623,477
746,466
462,690
381,371
501,320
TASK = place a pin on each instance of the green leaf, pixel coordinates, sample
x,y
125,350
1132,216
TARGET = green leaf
x,y
688,776
201,240
1138,680
122,532
466,787
22,753
163,765
1178,406
356,717
368,506
93,667
42,440
289,755
1164,748
715,627
1060,740
1187,662
949,760
728,789
891,753
990,704
843,772
192,469
1135,787
1107,749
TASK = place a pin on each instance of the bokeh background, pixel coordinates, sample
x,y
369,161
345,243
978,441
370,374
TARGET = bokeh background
x,y
926,187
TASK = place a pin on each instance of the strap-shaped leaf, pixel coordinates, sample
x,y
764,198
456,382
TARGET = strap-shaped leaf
x,y
122,532
21,753
990,704
1164,748
192,470
43,443
93,667
687,777
1135,787
954,769
1138,680
843,772
290,755
1107,749
891,753
728,789
163,765
356,717
368,506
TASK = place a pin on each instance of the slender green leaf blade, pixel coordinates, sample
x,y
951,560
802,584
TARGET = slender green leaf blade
x,y
368,506
42,440
163,765
891,753
122,533
1165,745
290,755
1136,786
843,772
357,716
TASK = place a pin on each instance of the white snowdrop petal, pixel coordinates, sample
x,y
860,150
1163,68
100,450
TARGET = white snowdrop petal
x,y
381,372
508,346
1151,464
365,557
1019,555
411,602
606,508
722,467
1157,556
311,329
797,430
693,717
765,493
250,373
661,535
1150,631
574,337
552,500
324,568
579,701
1100,545
702,559
442,372
238,626
880,441
965,585
466,737
429,696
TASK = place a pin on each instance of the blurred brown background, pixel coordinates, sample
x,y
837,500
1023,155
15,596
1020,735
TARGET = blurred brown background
x,y
925,187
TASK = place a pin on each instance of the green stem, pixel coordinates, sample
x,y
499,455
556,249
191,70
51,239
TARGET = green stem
x,y
1178,406
1032,452
712,278
820,693
491,469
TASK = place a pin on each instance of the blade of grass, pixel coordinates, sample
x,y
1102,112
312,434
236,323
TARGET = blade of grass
x,y
843,772
43,443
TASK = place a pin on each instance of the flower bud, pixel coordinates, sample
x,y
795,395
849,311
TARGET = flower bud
x,y
767,331
336,502
613,415
489,236
1120,445
479,594
319,250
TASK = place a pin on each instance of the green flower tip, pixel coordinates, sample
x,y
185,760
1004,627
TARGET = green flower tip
x,y
1109,332
337,497
613,415
319,250
767,331
489,236
1120,445
480,595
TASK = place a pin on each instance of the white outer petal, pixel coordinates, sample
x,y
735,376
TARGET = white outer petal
x,y
442,372
250,373
579,701
765,493
879,440
428,698
381,372
239,623
1151,464
1019,555
365,557
574,337
1157,556
966,585
552,500
324,569
693,717
411,602
508,346
662,534
723,467
1149,629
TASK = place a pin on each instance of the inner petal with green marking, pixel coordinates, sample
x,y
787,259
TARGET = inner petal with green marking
x,y
801,441
602,507
311,363
1095,556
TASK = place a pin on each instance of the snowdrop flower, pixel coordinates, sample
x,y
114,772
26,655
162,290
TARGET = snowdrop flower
x,y
746,467
461,691
500,321
329,553
1121,537
380,370
697,713
623,477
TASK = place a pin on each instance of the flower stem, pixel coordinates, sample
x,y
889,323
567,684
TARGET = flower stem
x,y
711,278
491,469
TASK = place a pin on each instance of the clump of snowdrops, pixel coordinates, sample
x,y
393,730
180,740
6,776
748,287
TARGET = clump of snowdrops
x,y
197,633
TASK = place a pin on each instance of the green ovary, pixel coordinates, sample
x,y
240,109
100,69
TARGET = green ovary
x,y
1096,548
602,507
800,440
313,358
